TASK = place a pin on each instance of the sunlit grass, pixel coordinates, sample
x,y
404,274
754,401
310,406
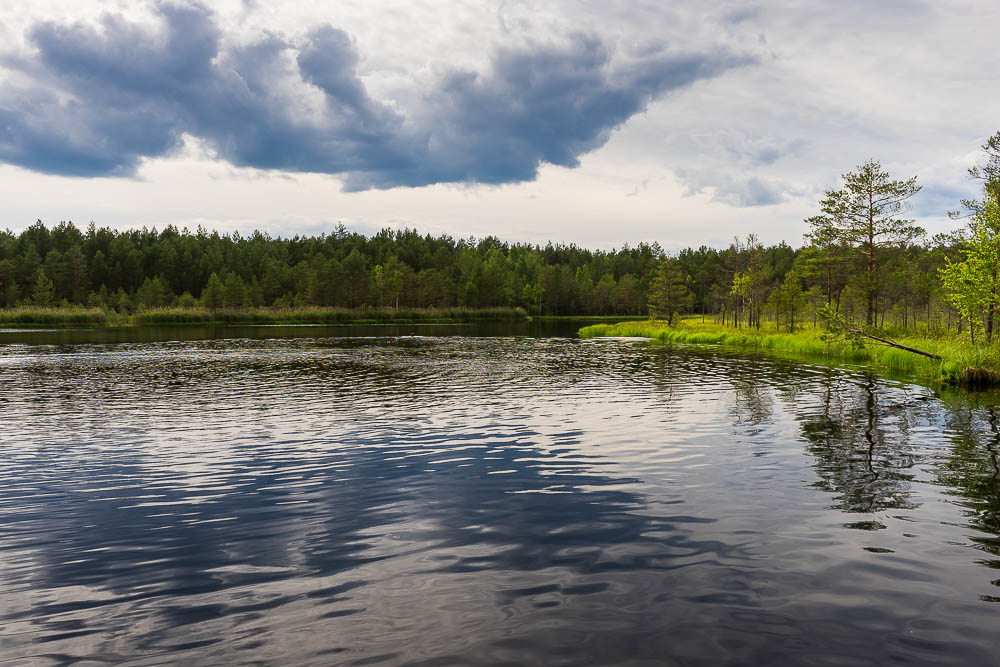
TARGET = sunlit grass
x,y
961,362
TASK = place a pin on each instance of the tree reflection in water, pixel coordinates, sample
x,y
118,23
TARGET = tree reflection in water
x,y
860,440
972,473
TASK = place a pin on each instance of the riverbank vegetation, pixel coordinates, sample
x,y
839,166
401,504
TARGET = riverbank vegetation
x,y
861,290
90,317
960,362
864,265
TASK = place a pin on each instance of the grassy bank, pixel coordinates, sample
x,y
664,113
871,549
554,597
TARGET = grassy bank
x,y
960,363
584,318
60,317
93,317
326,316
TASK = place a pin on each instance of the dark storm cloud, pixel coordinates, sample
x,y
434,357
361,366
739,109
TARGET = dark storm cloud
x,y
101,100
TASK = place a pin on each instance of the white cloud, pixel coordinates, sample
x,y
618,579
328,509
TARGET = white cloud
x,y
907,83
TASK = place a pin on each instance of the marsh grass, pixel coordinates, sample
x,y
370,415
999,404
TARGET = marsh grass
x,y
95,317
585,318
323,316
960,363
57,317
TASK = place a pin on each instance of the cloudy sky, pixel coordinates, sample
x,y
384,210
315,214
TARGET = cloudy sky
x,y
598,123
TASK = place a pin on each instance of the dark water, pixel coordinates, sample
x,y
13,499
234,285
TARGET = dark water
x,y
456,500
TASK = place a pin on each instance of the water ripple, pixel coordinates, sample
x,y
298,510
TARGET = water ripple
x,y
482,500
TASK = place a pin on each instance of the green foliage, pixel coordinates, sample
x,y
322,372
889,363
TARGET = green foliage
x,y
55,317
235,294
153,293
323,315
866,215
148,269
973,283
212,296
790,299
337,269
839,328
860,261
669,292
987,172
186,301
43,290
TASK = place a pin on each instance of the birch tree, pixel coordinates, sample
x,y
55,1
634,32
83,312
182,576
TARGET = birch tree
x,y
973,284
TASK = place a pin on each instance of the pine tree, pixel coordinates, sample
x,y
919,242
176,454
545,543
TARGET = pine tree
x,y
865,214
43,291
212,296
669,292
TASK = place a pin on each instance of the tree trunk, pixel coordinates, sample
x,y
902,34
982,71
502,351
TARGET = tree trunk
x,y
899,346
829,284
991,310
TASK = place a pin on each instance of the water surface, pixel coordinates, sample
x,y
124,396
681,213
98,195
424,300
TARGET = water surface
x,y
347,497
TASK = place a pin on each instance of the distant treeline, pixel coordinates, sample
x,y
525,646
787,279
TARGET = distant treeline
x,y
863,259
145,269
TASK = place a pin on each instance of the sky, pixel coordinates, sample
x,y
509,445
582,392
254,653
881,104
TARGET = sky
x,y
596,123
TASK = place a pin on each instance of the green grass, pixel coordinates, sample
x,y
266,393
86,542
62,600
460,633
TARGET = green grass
x,y
57,317
577,318
960,363
94,317
324,316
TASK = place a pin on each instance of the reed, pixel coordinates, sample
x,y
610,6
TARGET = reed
x,y
323,316
90,317
961,363
60,317
584,318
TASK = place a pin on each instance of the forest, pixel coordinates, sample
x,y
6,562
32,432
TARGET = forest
x,y
862,258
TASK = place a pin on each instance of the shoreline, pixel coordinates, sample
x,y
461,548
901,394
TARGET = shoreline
x,y
960,365
99,318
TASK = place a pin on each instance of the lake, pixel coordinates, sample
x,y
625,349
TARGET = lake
x,y
483,495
